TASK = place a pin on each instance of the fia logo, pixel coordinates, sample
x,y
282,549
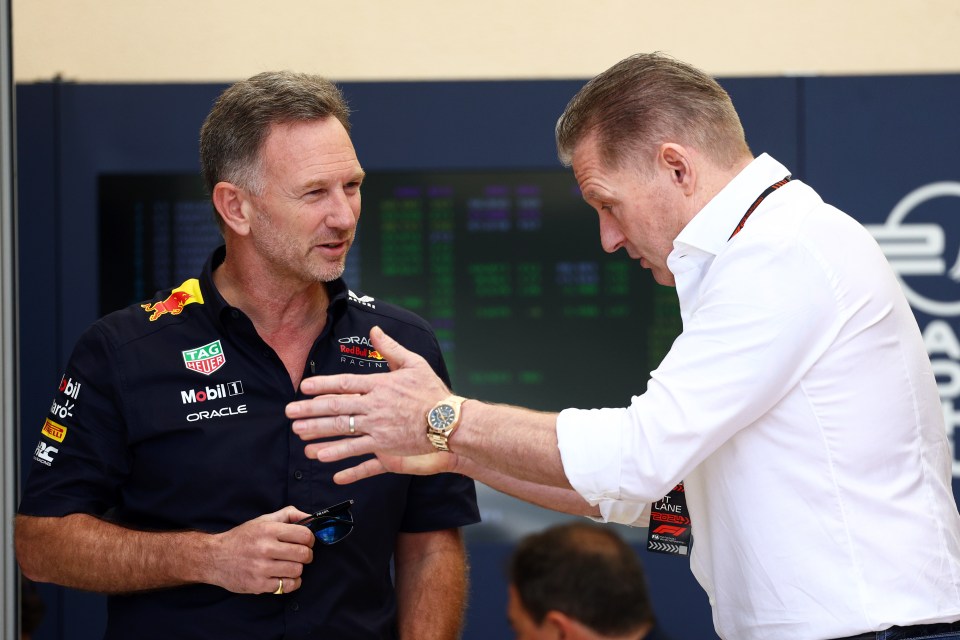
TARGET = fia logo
x,y
44,453
919,249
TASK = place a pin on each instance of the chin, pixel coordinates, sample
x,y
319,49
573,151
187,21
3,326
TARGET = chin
x,y
666,279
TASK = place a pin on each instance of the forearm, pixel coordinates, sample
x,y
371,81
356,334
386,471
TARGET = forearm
x,y
514,442
431,583
84,552
553,498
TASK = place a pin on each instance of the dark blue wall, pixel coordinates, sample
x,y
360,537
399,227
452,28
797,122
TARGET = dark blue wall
x,y
864,143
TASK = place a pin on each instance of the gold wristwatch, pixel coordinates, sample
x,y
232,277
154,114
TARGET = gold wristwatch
x,y
442,420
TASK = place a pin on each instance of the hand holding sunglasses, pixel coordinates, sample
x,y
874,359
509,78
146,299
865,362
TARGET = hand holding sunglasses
x,y
331,525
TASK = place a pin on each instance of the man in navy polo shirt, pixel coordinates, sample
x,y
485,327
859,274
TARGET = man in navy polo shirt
x,y
166,473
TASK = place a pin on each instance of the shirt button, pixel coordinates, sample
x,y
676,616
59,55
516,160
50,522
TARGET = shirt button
x,y
234,314
295,606
298,475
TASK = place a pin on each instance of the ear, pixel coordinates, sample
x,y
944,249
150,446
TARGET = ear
x,y
558,625
233,207
679,161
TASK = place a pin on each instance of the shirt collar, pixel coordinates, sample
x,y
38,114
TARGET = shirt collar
x,y
218,307
710,229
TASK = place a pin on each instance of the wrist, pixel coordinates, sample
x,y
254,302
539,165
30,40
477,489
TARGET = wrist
x,y
443,419
462,435
201,555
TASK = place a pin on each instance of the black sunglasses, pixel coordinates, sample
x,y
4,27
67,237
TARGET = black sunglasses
x,y
331,525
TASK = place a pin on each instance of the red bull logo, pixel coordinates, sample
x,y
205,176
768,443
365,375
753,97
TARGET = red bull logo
x,y
172,304
361,352
187,293
356,351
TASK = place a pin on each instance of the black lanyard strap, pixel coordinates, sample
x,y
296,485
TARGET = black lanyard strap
x,y
756,203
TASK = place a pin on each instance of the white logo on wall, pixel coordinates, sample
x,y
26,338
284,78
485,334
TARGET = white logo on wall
x,y
918,249
919,255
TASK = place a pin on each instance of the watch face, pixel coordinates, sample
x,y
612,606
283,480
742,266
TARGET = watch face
x,y
441,417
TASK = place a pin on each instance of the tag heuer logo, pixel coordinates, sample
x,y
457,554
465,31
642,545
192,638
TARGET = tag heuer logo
x,y
205,359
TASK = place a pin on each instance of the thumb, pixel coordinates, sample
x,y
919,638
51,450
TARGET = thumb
x,y
288,514
392,351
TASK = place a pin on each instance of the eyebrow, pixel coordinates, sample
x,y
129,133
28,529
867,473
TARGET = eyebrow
x,y
323,182
592,194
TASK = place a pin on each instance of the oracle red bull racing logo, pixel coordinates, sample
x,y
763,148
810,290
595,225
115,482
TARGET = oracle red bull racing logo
x,y
173,304
205,359
356,350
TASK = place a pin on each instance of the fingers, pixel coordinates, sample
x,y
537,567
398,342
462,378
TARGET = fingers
x,y
345,384
281,585
426,464
367,469
339,385
294,515
251,557
335,450
395,355
313,428
289,515
327,406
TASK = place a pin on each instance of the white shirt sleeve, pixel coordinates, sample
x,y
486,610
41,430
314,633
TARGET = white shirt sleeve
x,y
595,435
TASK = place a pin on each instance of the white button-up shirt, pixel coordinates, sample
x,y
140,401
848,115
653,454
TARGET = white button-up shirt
x,y
800,408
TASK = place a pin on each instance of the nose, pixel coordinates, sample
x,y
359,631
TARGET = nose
x,y
611,238
344,208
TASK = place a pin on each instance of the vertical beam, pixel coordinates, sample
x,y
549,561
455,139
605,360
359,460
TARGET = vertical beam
x,y
9,397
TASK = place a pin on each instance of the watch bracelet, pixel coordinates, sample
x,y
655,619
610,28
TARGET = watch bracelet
x,y
439,441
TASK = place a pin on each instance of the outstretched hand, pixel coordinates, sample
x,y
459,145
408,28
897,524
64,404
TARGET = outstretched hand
x,y
380,413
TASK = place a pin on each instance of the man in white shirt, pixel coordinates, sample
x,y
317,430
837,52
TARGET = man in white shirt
x,y
798,406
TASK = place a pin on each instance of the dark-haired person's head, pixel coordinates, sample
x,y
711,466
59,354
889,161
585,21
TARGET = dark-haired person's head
x,y
578,581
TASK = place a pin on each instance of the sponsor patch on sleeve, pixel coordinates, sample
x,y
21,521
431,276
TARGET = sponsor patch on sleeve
x,y
54,431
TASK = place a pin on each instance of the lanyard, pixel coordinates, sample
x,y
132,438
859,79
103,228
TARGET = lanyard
x,y
669,530
756,203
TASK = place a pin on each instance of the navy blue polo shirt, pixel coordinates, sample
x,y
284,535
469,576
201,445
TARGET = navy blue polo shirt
x,y
170,416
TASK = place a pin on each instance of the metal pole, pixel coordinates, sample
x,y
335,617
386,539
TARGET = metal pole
x,y
9,398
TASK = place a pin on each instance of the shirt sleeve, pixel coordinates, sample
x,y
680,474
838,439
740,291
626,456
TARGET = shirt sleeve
x,y
443,501
585,438
81,457
765,315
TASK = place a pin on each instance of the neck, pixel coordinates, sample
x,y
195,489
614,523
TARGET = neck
x,y
274,306
287,315
710,183
637,634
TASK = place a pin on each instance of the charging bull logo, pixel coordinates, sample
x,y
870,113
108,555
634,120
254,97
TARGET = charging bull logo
x,y
173,304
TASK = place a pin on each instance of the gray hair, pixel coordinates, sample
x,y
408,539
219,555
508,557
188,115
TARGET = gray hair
x,y
648,99
233,133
